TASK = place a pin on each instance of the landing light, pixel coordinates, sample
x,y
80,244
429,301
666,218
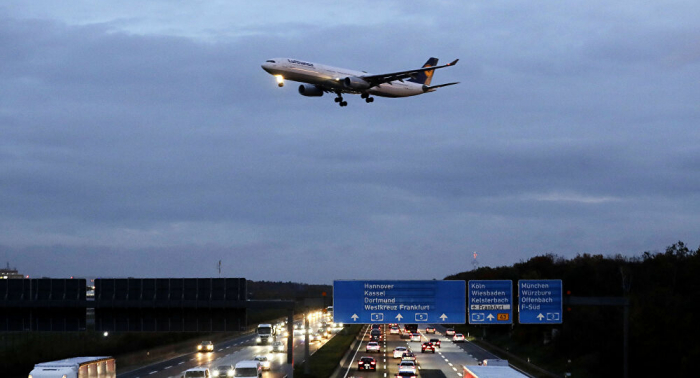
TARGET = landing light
x,y
280,80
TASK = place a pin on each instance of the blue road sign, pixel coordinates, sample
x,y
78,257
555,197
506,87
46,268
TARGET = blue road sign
x,y
365,302
490,302
540,302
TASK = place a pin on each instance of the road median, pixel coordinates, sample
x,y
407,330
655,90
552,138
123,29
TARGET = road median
x,y
325,361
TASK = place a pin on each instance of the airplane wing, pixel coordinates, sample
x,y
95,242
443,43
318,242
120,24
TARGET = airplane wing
x,y
375,80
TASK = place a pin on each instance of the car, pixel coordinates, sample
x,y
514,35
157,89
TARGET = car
x,y
408,356
458,338
405,374
399,351
263,361
367,363
375,335
198,372
430,330
427,346
372,346
205,346
223,371
450,332
435,342
407,366
277,347
377,326
415,337
394,330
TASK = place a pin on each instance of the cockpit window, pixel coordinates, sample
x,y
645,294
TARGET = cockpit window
x,y
270,61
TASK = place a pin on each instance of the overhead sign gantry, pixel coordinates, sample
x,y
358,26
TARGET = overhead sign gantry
x,y
380,302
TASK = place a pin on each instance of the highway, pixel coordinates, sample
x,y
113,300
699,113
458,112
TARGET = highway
x,y
225,353
445,362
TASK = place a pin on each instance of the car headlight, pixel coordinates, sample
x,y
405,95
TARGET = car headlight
x,y
230,373
216,373
258,339
199,347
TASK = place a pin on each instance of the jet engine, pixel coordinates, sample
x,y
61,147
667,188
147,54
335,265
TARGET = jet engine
x,y
310,90
355,83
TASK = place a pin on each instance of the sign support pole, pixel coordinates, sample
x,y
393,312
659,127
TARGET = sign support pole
x,y
306,344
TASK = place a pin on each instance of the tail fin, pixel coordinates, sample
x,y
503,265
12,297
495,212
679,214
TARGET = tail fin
x,y
426,76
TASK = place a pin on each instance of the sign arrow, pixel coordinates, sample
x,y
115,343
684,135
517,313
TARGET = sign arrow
x,y
399,317
540,316
490,317
354,317
443,317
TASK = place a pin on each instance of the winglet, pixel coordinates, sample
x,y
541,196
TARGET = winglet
x,y
453,63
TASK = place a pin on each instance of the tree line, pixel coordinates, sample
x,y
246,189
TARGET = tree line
x,y
664,293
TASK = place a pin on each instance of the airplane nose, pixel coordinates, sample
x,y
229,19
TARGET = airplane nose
x,y
266,66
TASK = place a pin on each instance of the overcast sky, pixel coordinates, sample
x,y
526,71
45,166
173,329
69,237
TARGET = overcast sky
x,y
142,138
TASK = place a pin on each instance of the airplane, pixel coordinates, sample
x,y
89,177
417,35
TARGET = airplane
x,y
319,79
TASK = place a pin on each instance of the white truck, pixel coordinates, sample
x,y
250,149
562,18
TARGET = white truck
x,y
76,367
198,372
248,369
265,333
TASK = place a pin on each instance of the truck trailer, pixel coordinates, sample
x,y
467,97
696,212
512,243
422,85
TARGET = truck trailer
x,y
477,371
76,367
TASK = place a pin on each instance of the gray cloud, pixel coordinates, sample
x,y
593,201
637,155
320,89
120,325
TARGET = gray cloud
x,y
127,138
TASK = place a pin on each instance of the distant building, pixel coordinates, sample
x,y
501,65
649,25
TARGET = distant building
x,y
8,273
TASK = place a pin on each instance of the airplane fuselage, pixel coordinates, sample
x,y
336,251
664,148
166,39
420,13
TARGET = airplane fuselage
x,y
331,78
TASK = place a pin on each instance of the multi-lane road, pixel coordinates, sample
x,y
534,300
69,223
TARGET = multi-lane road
x,y
226,353
447,360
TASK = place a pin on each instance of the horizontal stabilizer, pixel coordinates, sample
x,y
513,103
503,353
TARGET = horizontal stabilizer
x,y
430,88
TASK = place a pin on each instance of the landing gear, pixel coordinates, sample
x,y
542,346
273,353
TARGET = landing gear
x,y
339,100
367,98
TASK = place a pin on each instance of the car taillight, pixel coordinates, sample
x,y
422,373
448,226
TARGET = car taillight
x,y
373,362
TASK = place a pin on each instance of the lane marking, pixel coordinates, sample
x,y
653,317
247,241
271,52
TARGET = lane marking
x,y
181,362
355,355
167,367
153,372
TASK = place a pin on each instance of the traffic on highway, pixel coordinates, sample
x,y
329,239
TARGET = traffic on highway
x,y
408,351
244,355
